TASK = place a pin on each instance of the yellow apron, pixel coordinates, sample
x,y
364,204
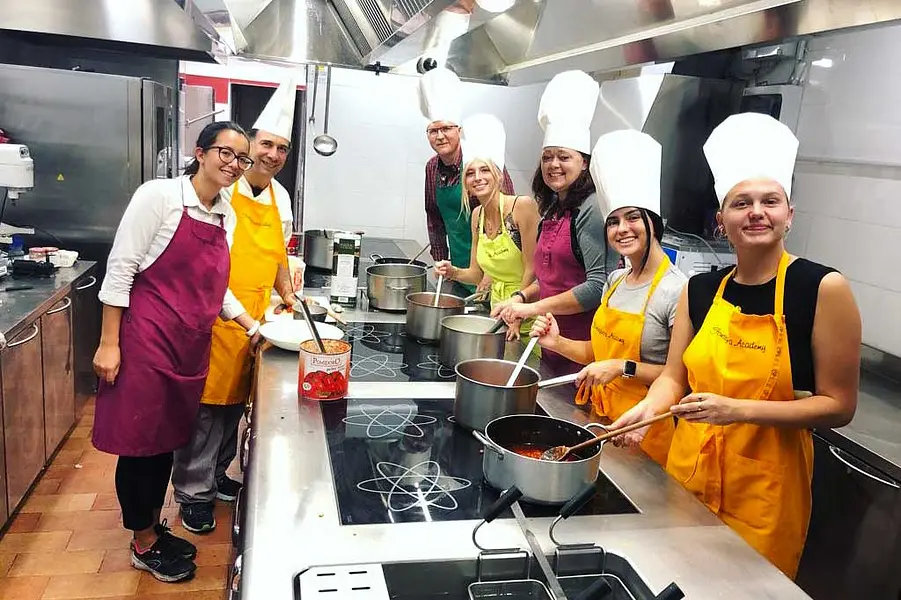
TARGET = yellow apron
x,y
755,478
616,334
258,248
501,260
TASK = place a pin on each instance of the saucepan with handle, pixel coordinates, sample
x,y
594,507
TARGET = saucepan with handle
x,y
513,444
482,393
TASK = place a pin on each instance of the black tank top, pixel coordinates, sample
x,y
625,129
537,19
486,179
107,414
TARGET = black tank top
x,y
802,286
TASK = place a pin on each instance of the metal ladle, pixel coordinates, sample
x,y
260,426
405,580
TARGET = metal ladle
x,y
324,144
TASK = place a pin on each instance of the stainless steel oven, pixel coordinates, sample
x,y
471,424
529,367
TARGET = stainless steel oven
x,y
853,548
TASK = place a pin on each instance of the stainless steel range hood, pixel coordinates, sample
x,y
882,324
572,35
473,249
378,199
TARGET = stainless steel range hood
x,y
535,39
152,27
352,33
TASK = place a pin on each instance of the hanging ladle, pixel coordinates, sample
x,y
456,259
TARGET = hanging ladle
x,y
324,144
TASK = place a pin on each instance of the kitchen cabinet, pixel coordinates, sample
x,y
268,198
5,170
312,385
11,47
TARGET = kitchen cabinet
x,y
59,378
23,411
854,545
86,315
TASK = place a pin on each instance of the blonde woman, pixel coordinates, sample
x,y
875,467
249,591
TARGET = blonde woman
x,y
504,227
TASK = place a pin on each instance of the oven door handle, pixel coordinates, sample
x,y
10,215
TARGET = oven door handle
x,y
236,520
849,461
234,585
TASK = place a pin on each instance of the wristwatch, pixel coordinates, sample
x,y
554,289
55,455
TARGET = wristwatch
x,y
630,368
520,294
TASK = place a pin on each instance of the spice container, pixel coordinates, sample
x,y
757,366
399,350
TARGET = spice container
x,y
345,268
323,376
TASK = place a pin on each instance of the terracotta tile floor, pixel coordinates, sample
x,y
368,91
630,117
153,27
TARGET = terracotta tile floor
x,y
67,541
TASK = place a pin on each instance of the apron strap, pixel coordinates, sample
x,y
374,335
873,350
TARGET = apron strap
x,y
658,276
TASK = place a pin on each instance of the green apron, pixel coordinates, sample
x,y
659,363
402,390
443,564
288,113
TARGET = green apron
x,y
501,259
458,227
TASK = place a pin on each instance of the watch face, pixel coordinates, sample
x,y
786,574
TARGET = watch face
x,y
630,368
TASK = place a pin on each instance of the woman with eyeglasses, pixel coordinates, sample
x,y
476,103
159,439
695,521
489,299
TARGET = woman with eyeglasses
x,y
166,282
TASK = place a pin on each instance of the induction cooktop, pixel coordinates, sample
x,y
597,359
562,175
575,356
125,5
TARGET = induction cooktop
x,y
405,460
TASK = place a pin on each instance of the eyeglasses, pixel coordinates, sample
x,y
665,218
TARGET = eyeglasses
x,y
434,131
227,155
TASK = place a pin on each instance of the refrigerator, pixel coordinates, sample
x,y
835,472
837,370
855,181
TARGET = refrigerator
x,y
94,139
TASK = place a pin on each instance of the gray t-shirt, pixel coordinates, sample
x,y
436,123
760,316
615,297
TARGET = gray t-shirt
x,y
661,312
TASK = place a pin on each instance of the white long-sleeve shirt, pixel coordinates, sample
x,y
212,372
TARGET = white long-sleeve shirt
x,y
282,201
147,227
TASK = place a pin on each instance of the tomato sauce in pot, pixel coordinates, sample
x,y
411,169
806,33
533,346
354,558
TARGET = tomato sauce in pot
x,y
535,451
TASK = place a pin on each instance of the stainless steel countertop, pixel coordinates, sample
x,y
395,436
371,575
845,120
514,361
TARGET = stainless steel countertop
x,y
874,435
20,307
292,520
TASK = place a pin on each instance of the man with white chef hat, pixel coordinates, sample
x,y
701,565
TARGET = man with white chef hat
x,y
258,263
571,254
763,375
450,232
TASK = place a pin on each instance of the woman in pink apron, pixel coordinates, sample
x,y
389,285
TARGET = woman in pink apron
x,y
571,255
166,282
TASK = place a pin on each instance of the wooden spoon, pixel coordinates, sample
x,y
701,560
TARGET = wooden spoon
x,y
558,453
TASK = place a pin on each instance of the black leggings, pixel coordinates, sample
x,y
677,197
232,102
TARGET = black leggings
x,y
141,483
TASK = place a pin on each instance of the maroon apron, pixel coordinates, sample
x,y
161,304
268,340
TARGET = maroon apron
x,y
165,338
558,271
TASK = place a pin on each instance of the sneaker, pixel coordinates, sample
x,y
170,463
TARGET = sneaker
x,y
180,546
227,489
198,517
161,561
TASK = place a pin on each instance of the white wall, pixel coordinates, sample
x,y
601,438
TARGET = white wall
x,y
374,182
848,179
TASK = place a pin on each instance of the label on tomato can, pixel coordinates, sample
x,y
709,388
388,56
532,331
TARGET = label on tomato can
x,y
324,376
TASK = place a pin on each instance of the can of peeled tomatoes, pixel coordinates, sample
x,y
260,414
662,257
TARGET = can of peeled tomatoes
x,y
324,376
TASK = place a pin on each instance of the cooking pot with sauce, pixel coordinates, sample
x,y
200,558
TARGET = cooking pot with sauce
x,y
512,441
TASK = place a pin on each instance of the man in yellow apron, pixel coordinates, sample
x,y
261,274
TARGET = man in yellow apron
x,y
258,263
742,444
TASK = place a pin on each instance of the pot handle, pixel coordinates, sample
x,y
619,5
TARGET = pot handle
x,y
562,380
489,444
395,288
603,428
506,500
590,425
375,257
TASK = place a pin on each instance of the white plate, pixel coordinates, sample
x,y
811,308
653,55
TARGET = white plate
x,y
289,334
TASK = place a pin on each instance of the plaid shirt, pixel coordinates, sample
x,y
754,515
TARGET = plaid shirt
x,y
448,175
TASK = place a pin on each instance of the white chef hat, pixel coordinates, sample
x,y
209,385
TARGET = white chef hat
x,y
566,110
625,166
440,96
751,146
278,116
483,138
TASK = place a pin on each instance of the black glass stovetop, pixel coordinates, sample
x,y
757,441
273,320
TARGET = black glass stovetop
x,y
398,461
383,352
